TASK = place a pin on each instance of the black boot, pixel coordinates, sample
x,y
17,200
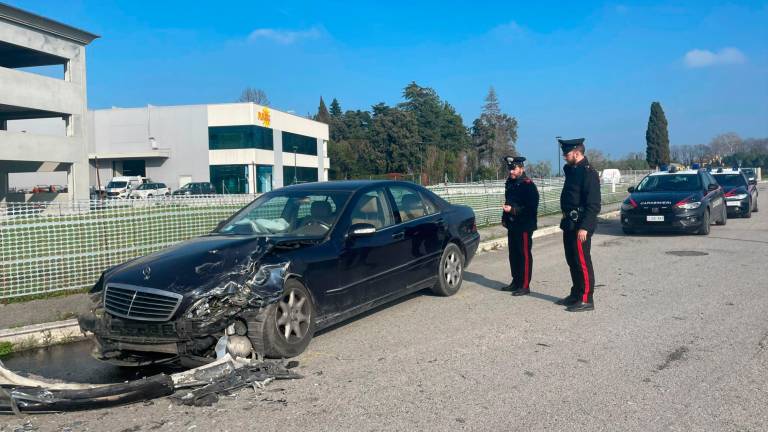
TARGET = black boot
x,y
581,307
521,292
510,287
566,301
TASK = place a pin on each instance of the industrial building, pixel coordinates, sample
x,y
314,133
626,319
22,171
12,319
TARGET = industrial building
x,y
238,147
42,76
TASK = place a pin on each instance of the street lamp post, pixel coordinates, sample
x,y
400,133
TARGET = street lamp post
x,y
557,158
295,180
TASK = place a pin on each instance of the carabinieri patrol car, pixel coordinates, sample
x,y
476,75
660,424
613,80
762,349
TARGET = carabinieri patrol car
x,y
673,200
739,192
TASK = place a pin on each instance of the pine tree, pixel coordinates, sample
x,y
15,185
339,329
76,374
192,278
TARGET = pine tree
x,y
335,108
657,137
323,115
494,133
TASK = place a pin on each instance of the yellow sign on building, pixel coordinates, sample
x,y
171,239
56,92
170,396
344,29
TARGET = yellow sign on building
x,y
264,116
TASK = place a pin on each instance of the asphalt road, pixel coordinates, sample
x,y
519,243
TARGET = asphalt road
x,y
678,341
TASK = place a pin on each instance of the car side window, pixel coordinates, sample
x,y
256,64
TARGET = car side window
x,y
410,204
373,208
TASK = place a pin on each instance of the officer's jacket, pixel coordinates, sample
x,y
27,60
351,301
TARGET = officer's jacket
x,y
581,192
523,196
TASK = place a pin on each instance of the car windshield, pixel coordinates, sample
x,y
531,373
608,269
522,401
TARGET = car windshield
x,y
732,180
288,214
670,183
116,184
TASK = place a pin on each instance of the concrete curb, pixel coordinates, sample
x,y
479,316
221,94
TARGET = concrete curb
x,y
46,334
42,335
501,242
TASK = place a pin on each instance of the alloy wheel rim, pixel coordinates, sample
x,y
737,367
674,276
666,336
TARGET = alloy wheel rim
x,y
452,269
293,316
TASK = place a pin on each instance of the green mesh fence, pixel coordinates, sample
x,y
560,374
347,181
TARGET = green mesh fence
x,y
49,247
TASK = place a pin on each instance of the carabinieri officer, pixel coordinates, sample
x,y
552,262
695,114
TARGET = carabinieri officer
x,y
521,205
580,203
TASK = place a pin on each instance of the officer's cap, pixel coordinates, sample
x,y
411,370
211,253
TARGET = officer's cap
x,y
568,145
513,161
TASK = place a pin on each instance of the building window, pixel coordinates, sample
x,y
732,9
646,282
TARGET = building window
x,y
295,143
230,179
239,137
293,175
135,167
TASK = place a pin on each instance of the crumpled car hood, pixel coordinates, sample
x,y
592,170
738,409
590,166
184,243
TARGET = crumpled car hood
x,y
192,264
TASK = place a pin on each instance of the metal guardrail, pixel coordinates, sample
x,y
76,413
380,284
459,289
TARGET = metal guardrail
x,y
47,247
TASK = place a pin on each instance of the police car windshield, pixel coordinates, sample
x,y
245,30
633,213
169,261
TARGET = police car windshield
x,y
670,183
733,180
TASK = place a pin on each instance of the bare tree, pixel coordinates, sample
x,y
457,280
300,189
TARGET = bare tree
x,y
257,96
726,144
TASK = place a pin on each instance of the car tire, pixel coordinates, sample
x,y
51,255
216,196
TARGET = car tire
x,y
723,217
704,230
450,272
748,214
754,209
627,231
267,328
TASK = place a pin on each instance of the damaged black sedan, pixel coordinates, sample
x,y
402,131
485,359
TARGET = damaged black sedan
x,y
295,260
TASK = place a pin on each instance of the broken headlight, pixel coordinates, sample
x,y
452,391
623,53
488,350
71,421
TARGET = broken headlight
x,y
265,273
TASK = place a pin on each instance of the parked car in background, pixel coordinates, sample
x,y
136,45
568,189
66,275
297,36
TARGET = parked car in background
x,y
121,187
739,192
750,173
150,190
195,188
295,260
673,200
41,188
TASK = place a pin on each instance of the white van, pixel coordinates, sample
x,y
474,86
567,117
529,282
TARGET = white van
x,y
121,187
611,175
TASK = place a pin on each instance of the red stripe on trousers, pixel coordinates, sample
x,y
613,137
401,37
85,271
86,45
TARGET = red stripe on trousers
x,y
583,262
525,252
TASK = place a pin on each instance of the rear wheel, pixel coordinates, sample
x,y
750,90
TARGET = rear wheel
x,y
704,230
284,329
450,273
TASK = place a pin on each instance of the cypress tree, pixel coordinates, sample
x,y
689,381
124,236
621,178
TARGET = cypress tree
x,y
335,108
322,113
657,137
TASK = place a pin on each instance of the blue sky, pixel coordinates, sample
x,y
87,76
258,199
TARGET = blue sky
x,y
573,69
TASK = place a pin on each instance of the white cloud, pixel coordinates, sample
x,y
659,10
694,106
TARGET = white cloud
x,y
285,37
508,32
697,58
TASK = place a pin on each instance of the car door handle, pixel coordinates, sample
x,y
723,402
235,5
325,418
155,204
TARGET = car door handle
x,y
398,236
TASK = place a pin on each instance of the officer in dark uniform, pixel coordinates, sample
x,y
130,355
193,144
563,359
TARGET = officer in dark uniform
x,y
580,203
521,204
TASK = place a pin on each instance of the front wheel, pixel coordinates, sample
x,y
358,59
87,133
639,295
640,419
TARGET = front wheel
x,y
284,329
704,230
450,273
723,217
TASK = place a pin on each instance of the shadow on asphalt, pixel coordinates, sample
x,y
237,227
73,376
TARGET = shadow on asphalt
x,y
496,285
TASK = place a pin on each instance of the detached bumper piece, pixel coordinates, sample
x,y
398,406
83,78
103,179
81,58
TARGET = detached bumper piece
x,y
197,387
19,400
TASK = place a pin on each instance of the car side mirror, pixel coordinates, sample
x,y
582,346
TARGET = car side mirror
x,y
631,189
753,182
361,230
713,187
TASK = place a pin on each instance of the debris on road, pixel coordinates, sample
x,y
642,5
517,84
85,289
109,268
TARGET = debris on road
x,y
23,395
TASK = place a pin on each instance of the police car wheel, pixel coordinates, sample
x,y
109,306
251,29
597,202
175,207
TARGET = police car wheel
x,y
450,273
704,230
723,217
754,209
748,214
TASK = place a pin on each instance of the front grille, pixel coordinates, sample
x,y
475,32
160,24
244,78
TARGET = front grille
x,y
139,303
